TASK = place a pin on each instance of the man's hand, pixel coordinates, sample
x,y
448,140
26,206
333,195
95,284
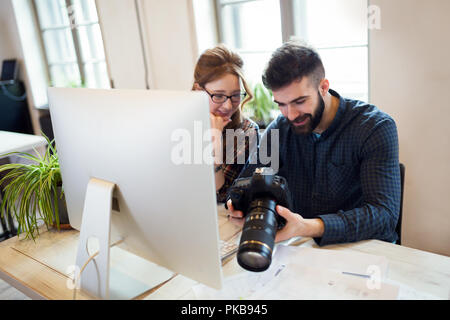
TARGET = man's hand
x,y
235,216
297,226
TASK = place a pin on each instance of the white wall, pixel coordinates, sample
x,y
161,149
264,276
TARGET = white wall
x,y
169,42
205,24
122,45
35,77
24,51
9,46
410,80
170,37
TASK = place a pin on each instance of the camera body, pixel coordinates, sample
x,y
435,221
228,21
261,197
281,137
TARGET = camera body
x,y
257,197
246,193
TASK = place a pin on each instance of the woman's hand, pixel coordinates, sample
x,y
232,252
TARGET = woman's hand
x,y
218,123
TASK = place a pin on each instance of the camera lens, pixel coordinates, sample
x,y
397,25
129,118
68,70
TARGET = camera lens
x,y
258,236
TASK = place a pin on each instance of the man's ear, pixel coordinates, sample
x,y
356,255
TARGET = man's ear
x,y
324,86
197,86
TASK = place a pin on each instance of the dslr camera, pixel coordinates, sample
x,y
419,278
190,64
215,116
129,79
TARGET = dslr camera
x,y
257,197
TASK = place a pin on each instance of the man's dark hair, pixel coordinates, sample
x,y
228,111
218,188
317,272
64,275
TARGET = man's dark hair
x,y
293,61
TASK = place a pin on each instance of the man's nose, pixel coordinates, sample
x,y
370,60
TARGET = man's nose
x,y
292,113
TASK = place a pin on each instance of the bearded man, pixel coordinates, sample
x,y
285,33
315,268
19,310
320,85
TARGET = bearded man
x,y
338,155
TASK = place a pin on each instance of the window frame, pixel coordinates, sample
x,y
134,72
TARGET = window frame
x,y
288,28
219,4
76,40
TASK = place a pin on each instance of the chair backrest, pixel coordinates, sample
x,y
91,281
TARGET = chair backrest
x,y
398,228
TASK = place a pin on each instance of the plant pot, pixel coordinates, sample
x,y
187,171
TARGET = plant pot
x,y
64,223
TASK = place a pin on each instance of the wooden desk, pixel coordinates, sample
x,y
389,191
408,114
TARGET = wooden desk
x,y
37,269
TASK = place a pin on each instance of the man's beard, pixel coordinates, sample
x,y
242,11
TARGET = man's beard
x,y
314,119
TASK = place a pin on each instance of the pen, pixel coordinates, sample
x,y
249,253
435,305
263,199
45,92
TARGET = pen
x,y
279,270
356,274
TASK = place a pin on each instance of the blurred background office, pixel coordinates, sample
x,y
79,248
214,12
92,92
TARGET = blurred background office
x,y
391,53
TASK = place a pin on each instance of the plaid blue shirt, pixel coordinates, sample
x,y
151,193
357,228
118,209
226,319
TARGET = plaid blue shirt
x,y
348,176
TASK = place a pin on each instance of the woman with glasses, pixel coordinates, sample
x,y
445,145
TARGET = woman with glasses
x,y
219,73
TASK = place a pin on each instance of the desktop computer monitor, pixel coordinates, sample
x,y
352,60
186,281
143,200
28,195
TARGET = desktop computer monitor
x,y
166,209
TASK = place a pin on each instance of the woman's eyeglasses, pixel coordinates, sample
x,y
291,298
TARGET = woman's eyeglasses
x,y
221,98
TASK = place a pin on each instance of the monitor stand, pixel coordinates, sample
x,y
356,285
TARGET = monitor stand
x,y
99,278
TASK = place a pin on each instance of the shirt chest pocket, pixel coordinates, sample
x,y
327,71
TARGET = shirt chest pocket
x,y
340,178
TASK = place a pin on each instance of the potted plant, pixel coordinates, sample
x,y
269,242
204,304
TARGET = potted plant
x,y
261,108
33,193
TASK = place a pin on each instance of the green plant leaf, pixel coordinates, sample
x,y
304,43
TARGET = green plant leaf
x,y
23,155
30,195
261,106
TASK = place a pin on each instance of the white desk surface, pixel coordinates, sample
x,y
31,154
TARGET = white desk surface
x,y
20,142
39,269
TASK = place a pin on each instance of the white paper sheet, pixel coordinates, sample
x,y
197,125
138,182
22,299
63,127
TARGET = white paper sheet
x,y
308,273
240,286
335,260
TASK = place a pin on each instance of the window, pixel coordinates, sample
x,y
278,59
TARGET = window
x,y
337,29
253,29
72,42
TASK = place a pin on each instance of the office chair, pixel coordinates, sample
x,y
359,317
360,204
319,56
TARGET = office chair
x,y
14,113
398,228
